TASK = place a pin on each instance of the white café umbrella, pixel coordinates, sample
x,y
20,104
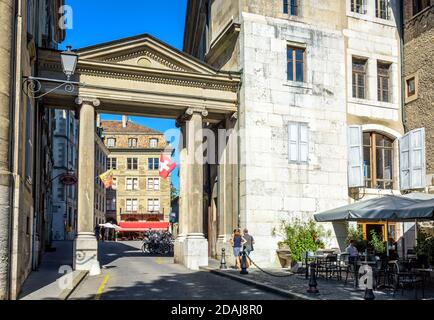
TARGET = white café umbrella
x,y
109,226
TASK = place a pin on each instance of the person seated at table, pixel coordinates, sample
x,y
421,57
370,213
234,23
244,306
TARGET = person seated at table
x,y
352,251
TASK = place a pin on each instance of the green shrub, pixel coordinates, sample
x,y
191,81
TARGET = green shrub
x,y
301,236
425,246
377,243
356,234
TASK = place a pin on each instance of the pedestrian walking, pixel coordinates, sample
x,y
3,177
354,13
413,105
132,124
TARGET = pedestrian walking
x,y
237,242
249,245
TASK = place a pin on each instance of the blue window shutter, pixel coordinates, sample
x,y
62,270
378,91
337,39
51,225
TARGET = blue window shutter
x,y
355,157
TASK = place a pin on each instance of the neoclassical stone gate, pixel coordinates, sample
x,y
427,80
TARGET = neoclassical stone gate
x,y
143,76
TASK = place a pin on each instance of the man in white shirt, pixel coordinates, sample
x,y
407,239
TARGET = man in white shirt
x,y
352,250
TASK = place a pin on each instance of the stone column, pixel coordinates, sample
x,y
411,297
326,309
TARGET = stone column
x,y
183,197
228,211
85,244
195,245
234,172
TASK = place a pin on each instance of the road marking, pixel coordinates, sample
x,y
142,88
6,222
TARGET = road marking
x,y
158,260
101,287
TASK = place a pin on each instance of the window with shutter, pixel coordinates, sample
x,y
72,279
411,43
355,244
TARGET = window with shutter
x,y
412,160
355,157
298,146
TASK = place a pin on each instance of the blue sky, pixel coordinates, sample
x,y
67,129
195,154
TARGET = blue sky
x,y
99,21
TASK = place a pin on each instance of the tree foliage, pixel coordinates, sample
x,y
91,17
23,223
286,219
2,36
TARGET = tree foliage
x,y
302,236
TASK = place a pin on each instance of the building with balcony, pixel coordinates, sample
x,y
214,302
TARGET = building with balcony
x,y
138,193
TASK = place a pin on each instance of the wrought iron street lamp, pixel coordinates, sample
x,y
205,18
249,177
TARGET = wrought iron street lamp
x,y
33,85
69,62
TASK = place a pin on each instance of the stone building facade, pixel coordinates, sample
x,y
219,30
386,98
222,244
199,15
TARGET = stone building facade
x,y
139,193
319,119
101,156
419,75
65,155
26,26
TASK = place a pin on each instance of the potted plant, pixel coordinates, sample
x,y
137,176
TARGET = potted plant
x,y
378,245
299,237
425,249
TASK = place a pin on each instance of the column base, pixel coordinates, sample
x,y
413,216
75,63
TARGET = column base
x,y
86,253
195,254
178,249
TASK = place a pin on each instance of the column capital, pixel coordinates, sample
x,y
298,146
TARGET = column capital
x,y
89,100
188,114
190,111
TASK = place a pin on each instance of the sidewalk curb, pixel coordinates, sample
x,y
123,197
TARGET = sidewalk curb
x,y
78,278
266,287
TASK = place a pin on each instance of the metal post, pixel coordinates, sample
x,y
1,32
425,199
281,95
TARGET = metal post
x,y
369,292
307,267
312,281
223,260
244,263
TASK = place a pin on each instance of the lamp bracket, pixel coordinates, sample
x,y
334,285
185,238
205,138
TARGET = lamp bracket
x,y
33,85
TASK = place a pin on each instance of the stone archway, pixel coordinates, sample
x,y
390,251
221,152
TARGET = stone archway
x,y
142,76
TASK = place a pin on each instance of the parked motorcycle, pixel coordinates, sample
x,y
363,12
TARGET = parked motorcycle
x,y
157,243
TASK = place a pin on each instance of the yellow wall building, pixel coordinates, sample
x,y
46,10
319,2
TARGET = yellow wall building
x,y
139,193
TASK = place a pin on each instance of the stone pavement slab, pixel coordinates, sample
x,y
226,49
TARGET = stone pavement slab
x,y
295,285
54,279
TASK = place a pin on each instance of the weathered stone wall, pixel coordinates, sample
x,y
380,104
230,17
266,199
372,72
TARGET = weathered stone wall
x,y
319,13
419,60
272,189
6,14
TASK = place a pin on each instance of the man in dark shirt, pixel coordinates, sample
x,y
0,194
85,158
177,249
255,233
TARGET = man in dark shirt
x,y
248,246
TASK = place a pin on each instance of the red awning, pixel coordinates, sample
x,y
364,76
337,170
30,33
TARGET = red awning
x,y
131,226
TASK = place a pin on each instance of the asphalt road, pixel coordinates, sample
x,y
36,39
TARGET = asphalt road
x,y
128,274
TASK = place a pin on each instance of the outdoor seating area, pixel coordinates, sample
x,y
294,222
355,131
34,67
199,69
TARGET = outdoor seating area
x,y
394,276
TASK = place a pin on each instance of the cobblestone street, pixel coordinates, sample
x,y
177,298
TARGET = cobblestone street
x,y
296,284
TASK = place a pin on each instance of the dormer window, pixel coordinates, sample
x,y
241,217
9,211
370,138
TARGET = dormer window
x,y
132,143
111,142
153,143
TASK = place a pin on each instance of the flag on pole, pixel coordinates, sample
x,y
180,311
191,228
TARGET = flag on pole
x,y
166,166
107,178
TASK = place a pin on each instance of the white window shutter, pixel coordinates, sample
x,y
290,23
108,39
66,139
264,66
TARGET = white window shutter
x,y
412,160
404,161
293,141
417,159
355,157
304,142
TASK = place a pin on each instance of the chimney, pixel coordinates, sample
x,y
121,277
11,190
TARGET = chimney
x,y
98,120
124,121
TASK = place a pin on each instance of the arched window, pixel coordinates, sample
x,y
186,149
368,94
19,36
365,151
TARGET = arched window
x,y
378,160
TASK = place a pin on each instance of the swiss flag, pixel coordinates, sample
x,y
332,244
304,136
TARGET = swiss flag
x,y
166,166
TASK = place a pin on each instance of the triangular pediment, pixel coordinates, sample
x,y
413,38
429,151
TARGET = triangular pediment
x,y
145,51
